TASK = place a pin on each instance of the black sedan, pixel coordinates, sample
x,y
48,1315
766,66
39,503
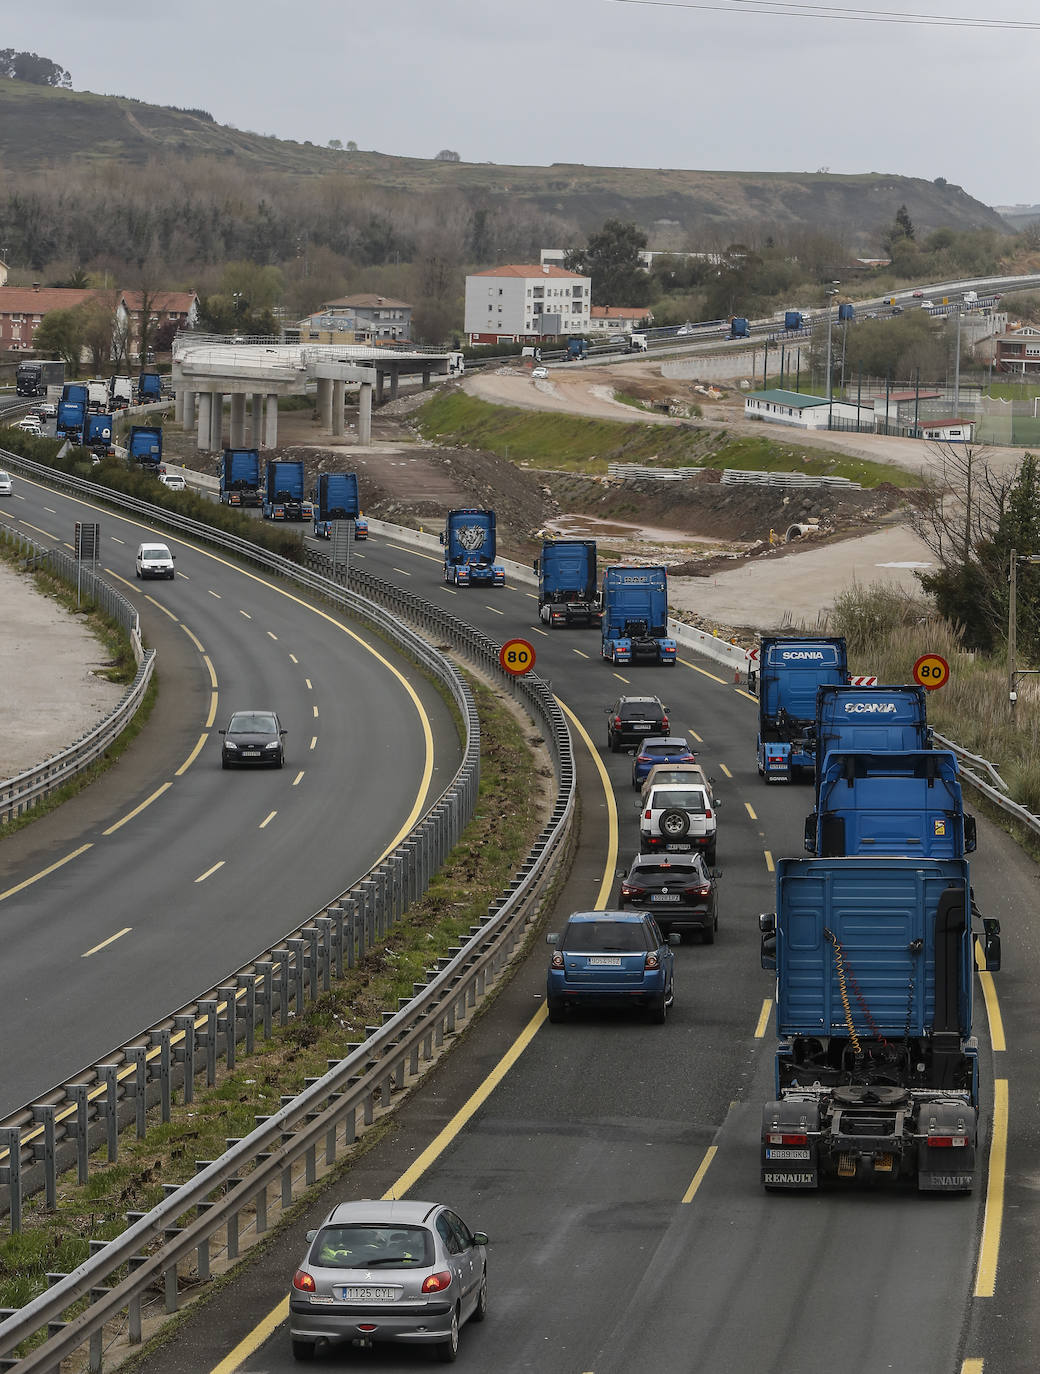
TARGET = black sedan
x,y
253,737
679,889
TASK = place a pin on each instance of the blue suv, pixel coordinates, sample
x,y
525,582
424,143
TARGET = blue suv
x,y
610,958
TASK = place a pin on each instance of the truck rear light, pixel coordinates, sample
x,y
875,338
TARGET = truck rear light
x,y
787,1138
949,1142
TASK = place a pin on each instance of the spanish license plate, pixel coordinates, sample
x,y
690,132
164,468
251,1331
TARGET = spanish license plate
x,y
665,897
366,1294
250,753
679,845
604,961
772,1153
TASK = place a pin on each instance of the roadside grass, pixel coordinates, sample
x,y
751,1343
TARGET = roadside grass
x,y
513,801
571,443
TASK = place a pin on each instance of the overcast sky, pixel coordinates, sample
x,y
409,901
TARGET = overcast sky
x,y
734,84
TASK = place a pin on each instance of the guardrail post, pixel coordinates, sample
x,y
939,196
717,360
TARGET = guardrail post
x,y
351,931
336,917
324,950
133,1306
185,1054
109,1074
310,934
162,1038
299,948
228,1023
138,1089
265,996
246,984
11,1173
45,1151
80,1128
282,984
208,1038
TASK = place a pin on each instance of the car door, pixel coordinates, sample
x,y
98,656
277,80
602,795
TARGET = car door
x,y
471,1259
461,1265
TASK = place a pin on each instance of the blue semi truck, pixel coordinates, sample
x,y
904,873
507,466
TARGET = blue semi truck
x,y
240,477
97,435
871,718
567,590
469,549
149,388
634,616
71,419
739,327
789,673
876,1069
283,492
335,497
145,448
890,802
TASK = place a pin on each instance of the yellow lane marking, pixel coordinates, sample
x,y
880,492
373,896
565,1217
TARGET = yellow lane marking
x,y
268,819
402,572
314,741
450,589
212,711
45,533
495,609
750,810
443,1139
770,866
271,635
138,809
20,887
116,540
622,679
127,583
610,863
216,594
296,782
972,1366
110,941
416,553
742,693
996,1021
191,757
993,1220
703,671
540,632
725,770
580,654
763,1018
160,607
294,658
315,710
212,671
696,736
209,872
194,638
531,595
245,613
698,1178
310,685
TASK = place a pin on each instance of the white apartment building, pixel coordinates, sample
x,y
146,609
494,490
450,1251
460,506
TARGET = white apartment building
x,y
527,302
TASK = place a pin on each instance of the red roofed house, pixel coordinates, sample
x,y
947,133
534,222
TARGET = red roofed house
x,y
22,309
526,303
180,308
622,318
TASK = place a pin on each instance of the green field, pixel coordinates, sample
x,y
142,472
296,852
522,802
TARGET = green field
x,y
570,443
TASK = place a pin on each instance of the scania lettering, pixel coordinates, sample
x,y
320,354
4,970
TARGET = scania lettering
x,y
870,708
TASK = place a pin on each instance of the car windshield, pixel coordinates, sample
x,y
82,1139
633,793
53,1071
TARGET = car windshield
x,y
624,937
638,710
150,554
253,723
366,1247
686,799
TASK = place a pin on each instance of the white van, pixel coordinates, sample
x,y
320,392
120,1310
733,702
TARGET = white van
x,y
154,560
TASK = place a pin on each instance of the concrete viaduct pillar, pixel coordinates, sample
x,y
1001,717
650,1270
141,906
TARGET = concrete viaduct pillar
x,y
271,426
339,396
188,410
379,388
325,410
238,419
426,379
257,418
204,426
216,422
394,378
364,424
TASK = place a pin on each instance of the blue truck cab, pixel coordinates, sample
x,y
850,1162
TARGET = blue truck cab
x,y
97,434
71,419
890,802
240,477
283,492
567,590
634,616
145,447
336,497
739,328
469,549
876,1069
577,350
149,388
790,672
870,718
792,319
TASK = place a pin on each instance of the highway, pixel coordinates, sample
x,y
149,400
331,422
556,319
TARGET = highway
x,y
615,1164
170,873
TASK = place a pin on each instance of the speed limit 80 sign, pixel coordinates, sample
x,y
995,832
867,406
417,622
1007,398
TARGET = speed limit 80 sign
x,y
516,656
931,671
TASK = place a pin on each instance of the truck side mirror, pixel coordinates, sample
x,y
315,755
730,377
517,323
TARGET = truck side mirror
x,y
534,565
970,837
767,922
441,536
991,943
768,954
810,833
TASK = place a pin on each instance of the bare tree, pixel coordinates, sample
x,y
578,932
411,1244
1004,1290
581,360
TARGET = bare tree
x,y
959,505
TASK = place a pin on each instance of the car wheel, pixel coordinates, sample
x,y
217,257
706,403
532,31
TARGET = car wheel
x,y
657,1011
480,1311
303,1350
448,1351
709,854
708,935
138,572
615,744
554,1006
224,763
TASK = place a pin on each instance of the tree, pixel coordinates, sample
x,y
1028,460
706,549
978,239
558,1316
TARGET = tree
x,y
904,223
446,155
611,259
335,144
62,332
99,328
29,66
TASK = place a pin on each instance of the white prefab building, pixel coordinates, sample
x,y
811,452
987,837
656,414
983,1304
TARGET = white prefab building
x,y
526,303
806,412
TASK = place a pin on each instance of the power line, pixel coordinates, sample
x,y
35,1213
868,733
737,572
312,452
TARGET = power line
x,y
791,9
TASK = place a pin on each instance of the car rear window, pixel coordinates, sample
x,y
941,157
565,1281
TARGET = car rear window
x,y
626,937
367,1247
686,799
667,870
661,750
639,710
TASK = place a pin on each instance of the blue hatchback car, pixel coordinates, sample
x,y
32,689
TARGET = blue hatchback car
x,y
657,749
610,958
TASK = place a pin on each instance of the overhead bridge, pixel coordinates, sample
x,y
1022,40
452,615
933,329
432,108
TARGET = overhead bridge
x,y
208,367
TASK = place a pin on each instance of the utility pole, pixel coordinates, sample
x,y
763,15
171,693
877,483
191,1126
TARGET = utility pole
x,y
830,367
957,370
1012,591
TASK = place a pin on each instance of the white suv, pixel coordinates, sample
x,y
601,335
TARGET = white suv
x,y
678,819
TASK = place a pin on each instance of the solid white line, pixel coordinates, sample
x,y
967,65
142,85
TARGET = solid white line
x,y
203,876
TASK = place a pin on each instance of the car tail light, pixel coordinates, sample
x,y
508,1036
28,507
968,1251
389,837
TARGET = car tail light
x,y
617,722
652,961
436,1283
707,813
787,1138
687,758
647,814
950,1142
702,890
557,960
304,1282
632,890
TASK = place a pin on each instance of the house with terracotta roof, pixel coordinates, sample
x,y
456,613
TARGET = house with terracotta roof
x,y
526,303
364,318
22,309
1018,350
179,308
608,319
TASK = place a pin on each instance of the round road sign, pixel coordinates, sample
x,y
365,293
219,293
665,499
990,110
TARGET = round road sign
x,y
516,656
931,671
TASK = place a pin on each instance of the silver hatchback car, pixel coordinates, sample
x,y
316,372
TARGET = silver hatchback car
x,y
376,1271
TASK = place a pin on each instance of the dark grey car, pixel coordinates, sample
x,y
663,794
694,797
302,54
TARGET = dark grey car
x,y
377,1271
253,737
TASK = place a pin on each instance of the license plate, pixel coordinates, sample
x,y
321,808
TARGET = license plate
x,y
786,1154
666,897
366,1294
676,845
250,753
642,727
604,961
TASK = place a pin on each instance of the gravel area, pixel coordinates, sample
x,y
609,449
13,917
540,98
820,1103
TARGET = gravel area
x,y
50,690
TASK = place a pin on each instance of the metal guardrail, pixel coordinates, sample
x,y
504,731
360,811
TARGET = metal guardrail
x,y
19,793
231,1197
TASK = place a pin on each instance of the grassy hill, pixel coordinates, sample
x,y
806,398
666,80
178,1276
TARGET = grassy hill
x,y
44,127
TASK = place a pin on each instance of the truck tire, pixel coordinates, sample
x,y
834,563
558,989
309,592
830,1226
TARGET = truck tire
x,y
674,823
